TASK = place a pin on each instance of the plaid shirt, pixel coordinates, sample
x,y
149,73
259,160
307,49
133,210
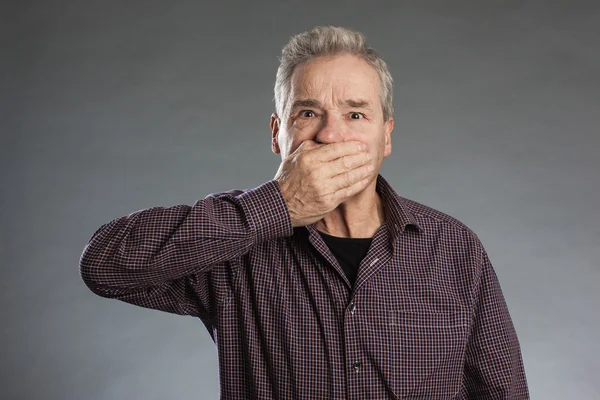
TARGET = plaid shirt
x,y
426,318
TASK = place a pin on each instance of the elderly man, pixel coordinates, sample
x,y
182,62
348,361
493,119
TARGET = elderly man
x,y
323,283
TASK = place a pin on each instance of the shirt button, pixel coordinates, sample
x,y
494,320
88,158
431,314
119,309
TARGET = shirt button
x,y
352,308
357,366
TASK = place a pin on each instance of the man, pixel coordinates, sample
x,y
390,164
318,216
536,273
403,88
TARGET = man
x,y
323,283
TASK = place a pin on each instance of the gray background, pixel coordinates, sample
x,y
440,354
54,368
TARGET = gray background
x,y
108,107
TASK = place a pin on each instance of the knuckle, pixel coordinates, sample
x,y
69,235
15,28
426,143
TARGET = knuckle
x,y
318,189
302,155
346,163
315,174
349,178
303,159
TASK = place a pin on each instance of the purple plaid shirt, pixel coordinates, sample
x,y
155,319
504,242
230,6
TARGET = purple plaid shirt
x,y
426,318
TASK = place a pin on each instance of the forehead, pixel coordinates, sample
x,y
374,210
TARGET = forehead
x,y
347,76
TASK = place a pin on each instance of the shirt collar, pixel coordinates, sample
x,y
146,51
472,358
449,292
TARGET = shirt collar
x,y
396,210
397,213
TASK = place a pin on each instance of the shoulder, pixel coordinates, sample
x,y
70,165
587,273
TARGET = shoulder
x,y
427,216
438,225
228,193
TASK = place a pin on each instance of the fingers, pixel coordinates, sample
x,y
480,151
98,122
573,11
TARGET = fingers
x,y
332,159
341,164
347,179
354,183
317,177
307,145
334,151
348,163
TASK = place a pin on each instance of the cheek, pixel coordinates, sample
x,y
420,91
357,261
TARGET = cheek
x,y
288,145
359,128
294,145
377,148
301,124
290,140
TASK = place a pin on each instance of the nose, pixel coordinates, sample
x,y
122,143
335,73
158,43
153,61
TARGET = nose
x,y
332,130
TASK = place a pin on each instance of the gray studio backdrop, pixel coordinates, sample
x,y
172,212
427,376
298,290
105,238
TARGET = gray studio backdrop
x,y
108,107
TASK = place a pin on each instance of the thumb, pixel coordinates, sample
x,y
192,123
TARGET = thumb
x,y
308,145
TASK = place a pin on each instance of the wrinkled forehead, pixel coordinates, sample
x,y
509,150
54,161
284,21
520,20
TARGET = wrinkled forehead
x,y
339,78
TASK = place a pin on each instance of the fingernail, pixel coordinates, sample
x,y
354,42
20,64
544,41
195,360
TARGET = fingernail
x,y
362,147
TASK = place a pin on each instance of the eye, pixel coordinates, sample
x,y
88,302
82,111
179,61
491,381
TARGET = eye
x,y
307,114
356,115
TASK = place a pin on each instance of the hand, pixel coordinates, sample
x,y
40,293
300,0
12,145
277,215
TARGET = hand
x,y
316,178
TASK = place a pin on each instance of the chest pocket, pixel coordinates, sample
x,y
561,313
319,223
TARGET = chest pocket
x,y
426,351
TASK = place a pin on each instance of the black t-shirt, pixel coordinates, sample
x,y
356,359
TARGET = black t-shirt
x,y
348,251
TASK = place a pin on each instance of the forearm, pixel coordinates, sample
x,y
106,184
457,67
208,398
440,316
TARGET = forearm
x,y
494,366
162,244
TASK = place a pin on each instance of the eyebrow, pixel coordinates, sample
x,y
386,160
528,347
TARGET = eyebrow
x,y
306,103
316,104
358,103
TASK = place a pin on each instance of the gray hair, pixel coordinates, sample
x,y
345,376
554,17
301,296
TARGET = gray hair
x,y
327,41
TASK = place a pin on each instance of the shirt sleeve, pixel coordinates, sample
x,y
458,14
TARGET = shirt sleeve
x,y
494,366
162,257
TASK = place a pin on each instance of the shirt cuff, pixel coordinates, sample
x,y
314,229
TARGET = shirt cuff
x,y
266,211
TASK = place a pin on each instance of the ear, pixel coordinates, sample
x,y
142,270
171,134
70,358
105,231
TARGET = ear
x,y
388,128
274,124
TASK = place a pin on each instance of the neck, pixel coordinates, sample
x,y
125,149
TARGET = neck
x,y
358,217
